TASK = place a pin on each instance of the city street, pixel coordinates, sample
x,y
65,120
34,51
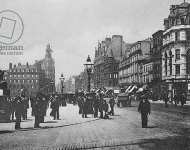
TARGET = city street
x,y
168,128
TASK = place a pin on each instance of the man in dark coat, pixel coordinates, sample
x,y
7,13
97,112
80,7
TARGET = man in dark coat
x,y
95,106
112,103
144,109
101,106
18,111
37,111
55,107
85,107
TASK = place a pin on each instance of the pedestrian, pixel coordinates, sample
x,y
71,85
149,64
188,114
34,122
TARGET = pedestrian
x,y
95,105
85,107
112,103
37,111
105,109
165,98
18,111
80,104
55,107
176,99
144,109
101,105
183,99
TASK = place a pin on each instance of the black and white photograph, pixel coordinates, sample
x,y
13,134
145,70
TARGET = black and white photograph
x,y
95,75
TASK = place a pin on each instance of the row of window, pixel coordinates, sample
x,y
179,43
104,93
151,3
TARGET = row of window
x,y
176,36
134,78
23,81
180,20
16,87
147,78
131,70
147,68
115,76
23,75
23,70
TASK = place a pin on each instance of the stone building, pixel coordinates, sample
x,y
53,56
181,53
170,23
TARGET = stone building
x,y
176,49
48,65
131,66
156,57
106,62
28,77
39,76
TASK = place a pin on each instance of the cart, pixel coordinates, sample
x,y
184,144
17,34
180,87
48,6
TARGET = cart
x,y
123,100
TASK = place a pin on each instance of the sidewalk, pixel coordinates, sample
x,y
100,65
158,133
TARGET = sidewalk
x,y
66,119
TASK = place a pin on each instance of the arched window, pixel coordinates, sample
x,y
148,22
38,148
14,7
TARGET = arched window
x,y
188,61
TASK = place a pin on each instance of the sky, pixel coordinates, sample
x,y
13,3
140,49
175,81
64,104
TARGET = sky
x,y
74,27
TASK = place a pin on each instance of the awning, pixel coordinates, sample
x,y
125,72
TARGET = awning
x,y
133,88
109,91
128,89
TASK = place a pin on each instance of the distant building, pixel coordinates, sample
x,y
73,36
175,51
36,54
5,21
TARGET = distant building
x,y
176,49
39,76
28,77
81,81
106,62
48,65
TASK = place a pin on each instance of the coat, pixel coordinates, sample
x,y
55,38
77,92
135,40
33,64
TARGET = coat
x,y
144,107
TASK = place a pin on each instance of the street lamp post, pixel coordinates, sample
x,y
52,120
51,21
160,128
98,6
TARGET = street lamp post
x,y
88,66
52,87
62,81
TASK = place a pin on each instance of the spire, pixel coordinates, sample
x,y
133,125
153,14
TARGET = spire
x,y
48,51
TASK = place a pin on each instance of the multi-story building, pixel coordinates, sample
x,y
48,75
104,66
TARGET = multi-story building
x,y
156,57
39,76
106,62
48,65
28,77
131,66
176,49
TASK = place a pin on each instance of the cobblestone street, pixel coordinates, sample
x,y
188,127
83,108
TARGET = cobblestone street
x,y
122,131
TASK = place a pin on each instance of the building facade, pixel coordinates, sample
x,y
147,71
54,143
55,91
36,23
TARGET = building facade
x,y
156,56
37,77
176,49
48,66
131,66
28,77
106,62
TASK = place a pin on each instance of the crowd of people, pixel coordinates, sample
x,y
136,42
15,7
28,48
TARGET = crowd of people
x,y
98,104
94,103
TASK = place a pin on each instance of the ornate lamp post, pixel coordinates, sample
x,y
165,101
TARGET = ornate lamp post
x,y
88,66
62,81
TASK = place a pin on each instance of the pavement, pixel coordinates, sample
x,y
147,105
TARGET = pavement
x,y
167,130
